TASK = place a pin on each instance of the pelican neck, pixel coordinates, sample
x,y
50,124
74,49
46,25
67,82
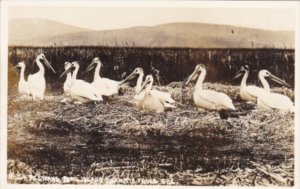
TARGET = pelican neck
x,y
244,80
139,82
200,80
265,83
41,67
97,72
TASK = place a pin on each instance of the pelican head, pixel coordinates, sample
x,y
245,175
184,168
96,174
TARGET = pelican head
x,y
20,65
42,58
95,62
70,68
198,69
242,71
67,65
147,83
267,74
136,72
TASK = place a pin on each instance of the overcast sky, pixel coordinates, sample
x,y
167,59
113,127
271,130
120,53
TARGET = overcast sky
x,y
102,18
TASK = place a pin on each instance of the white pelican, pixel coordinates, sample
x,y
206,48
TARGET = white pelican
x,y
80,88
154,100
208,99
23,84
68,82
139,95
107,86
37,82
251,92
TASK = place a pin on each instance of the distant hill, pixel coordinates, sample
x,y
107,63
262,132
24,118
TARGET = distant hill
x,y
28,31
195,35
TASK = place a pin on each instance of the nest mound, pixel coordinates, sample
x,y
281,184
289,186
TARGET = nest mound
x,y
113,142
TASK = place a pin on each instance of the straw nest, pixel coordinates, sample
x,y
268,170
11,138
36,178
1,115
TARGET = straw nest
x,y
57,141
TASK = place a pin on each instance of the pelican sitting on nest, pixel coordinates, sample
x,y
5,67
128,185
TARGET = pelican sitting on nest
x,y
80,89
154,100
251,92
208,99
139,95
23,84
107,86
37,82
270,100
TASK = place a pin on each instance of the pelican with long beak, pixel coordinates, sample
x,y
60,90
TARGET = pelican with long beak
x,y
270,100
139,95
37,82
154,100
107,86
250,93
23,84
208,99
80,88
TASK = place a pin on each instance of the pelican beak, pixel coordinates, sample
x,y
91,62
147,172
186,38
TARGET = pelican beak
x,y
90,67
143,86
192,77
15,67
238,74
67,71
131,76
48,65
280,81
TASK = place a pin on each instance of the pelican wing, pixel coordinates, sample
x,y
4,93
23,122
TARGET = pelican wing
x,y
275,101
217,98
84,89
152,103
163,96
108,87
254,91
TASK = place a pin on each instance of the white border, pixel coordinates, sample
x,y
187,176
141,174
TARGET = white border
x,y
78,3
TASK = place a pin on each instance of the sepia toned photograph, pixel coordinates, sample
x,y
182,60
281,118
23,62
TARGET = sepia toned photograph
x,y
169,93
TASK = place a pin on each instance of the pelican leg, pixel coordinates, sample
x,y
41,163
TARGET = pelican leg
x,y
223,114
121,91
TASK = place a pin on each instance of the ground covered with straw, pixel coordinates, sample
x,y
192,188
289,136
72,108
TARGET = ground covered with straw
x,y
112,142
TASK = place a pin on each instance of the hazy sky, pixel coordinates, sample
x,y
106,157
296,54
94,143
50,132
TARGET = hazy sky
x,y
101,18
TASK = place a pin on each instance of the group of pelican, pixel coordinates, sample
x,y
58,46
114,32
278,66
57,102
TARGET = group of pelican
x,y
263,96
36,84
145,96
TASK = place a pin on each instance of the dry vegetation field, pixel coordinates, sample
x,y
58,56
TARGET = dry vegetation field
x,y
112,142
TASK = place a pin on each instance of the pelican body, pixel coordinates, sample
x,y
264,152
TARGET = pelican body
x,y
275,101
154,100
250,93
208,99
107,86
80,89
23,84
37,82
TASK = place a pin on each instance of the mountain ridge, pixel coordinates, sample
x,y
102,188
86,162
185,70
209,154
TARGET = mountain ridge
x,y
177,34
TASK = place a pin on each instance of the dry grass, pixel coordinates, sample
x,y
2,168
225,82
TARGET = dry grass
x,y
57,141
